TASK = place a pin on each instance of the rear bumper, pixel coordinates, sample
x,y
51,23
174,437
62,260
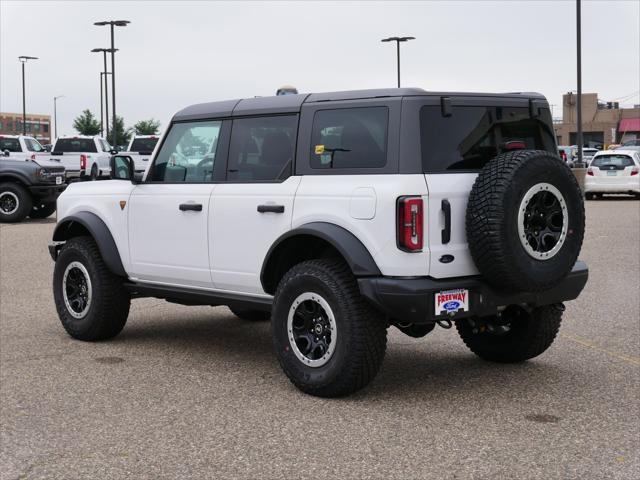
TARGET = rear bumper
x,y
622,185
411,300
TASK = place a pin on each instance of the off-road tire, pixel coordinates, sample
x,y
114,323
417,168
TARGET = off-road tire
x,y
492,221
42,211
109,306
530,336
251,315
24,202
361,330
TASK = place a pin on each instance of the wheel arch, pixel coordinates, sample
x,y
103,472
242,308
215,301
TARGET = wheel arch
x,y
315,240
11,177
87,223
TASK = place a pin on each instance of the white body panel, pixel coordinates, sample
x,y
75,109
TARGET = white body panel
x,y
365,205
455,188
240,236
168,245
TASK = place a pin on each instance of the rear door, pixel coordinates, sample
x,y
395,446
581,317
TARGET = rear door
x,y
455,145
169,213
253,206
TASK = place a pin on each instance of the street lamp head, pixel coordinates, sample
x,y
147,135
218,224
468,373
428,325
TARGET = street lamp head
x,y
397,39
24,58
109,50
117,23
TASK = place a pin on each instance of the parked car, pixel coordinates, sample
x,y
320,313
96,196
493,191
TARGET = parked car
x,y
613,172
20,147
568,154
140,149
631,143
83,156
29,188
588,153
336,215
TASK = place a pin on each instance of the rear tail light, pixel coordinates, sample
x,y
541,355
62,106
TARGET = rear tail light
x,y
634,171
590,171
83,162
410,220
33,156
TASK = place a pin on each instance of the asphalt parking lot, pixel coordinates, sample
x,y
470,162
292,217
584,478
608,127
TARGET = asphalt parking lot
x,y
193,392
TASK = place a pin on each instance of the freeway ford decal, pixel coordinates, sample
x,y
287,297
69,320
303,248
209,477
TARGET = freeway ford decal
x,y
451,301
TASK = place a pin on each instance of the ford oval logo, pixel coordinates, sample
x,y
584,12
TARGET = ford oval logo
x,y
451,305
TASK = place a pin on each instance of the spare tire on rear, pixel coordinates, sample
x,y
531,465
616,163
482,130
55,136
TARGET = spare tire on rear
x,y
525,221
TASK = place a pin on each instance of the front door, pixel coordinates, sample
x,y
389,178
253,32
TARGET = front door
x,y
254,205
169,212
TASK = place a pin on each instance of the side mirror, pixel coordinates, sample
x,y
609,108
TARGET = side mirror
x,y
122,168
113,152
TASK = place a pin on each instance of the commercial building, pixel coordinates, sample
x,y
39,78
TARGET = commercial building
x,y
38,126
603,123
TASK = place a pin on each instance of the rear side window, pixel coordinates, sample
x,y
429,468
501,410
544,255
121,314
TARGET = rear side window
x,y
615,160
143,144
262,148
472,136
11,144
350,138
76,145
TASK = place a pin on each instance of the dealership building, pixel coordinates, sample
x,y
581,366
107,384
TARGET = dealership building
x,y
603,123
38,126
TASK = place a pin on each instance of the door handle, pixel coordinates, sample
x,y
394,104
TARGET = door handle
x,y
271,208
446,231
195,207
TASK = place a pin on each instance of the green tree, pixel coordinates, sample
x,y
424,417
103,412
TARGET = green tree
x,y
86,123
123,135
147,127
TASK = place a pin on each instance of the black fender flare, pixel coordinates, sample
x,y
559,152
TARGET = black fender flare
x,y
346,243
100,233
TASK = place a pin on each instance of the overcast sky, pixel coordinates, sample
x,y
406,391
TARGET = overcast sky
x,y
175,54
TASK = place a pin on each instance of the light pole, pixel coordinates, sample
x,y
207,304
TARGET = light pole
x,y
112,24
579,67
55,116
106,90
398,40
23,59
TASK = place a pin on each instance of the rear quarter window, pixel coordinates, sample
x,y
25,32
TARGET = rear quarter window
x,y
10,144
471,136
76,145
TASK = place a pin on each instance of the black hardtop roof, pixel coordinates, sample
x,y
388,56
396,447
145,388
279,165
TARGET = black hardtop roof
x,y
293,103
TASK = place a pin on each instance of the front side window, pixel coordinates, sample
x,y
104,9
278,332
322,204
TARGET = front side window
x,y
262,148
350,138
104,145
10,144
188,153
472,136
33,145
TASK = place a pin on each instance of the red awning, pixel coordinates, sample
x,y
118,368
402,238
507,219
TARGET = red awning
x,y
629,125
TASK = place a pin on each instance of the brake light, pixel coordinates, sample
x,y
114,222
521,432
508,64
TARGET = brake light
x,y
83,162
590,171
410,221
634,171
33,156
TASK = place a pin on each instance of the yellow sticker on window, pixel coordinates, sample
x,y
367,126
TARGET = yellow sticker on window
x,y
319,149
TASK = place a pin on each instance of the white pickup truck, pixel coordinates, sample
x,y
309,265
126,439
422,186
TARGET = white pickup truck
x,y
83,156
21,147
140,149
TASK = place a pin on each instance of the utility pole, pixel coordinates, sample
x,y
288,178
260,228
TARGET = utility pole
x,y
23,59
579,65
397,40
55,116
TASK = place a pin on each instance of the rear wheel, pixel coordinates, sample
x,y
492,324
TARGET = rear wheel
x,y
15,202
94,172
328,339
514,336
42,210
91,301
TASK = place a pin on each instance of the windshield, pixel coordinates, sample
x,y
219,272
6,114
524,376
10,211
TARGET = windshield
x,y
143,144
76,145
11,144
617,160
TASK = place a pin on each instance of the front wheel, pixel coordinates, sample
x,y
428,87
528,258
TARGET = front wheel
x,y
15,202
328,339
513,336
91,301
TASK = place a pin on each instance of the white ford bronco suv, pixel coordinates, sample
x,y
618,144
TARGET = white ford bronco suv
x,y
337,215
